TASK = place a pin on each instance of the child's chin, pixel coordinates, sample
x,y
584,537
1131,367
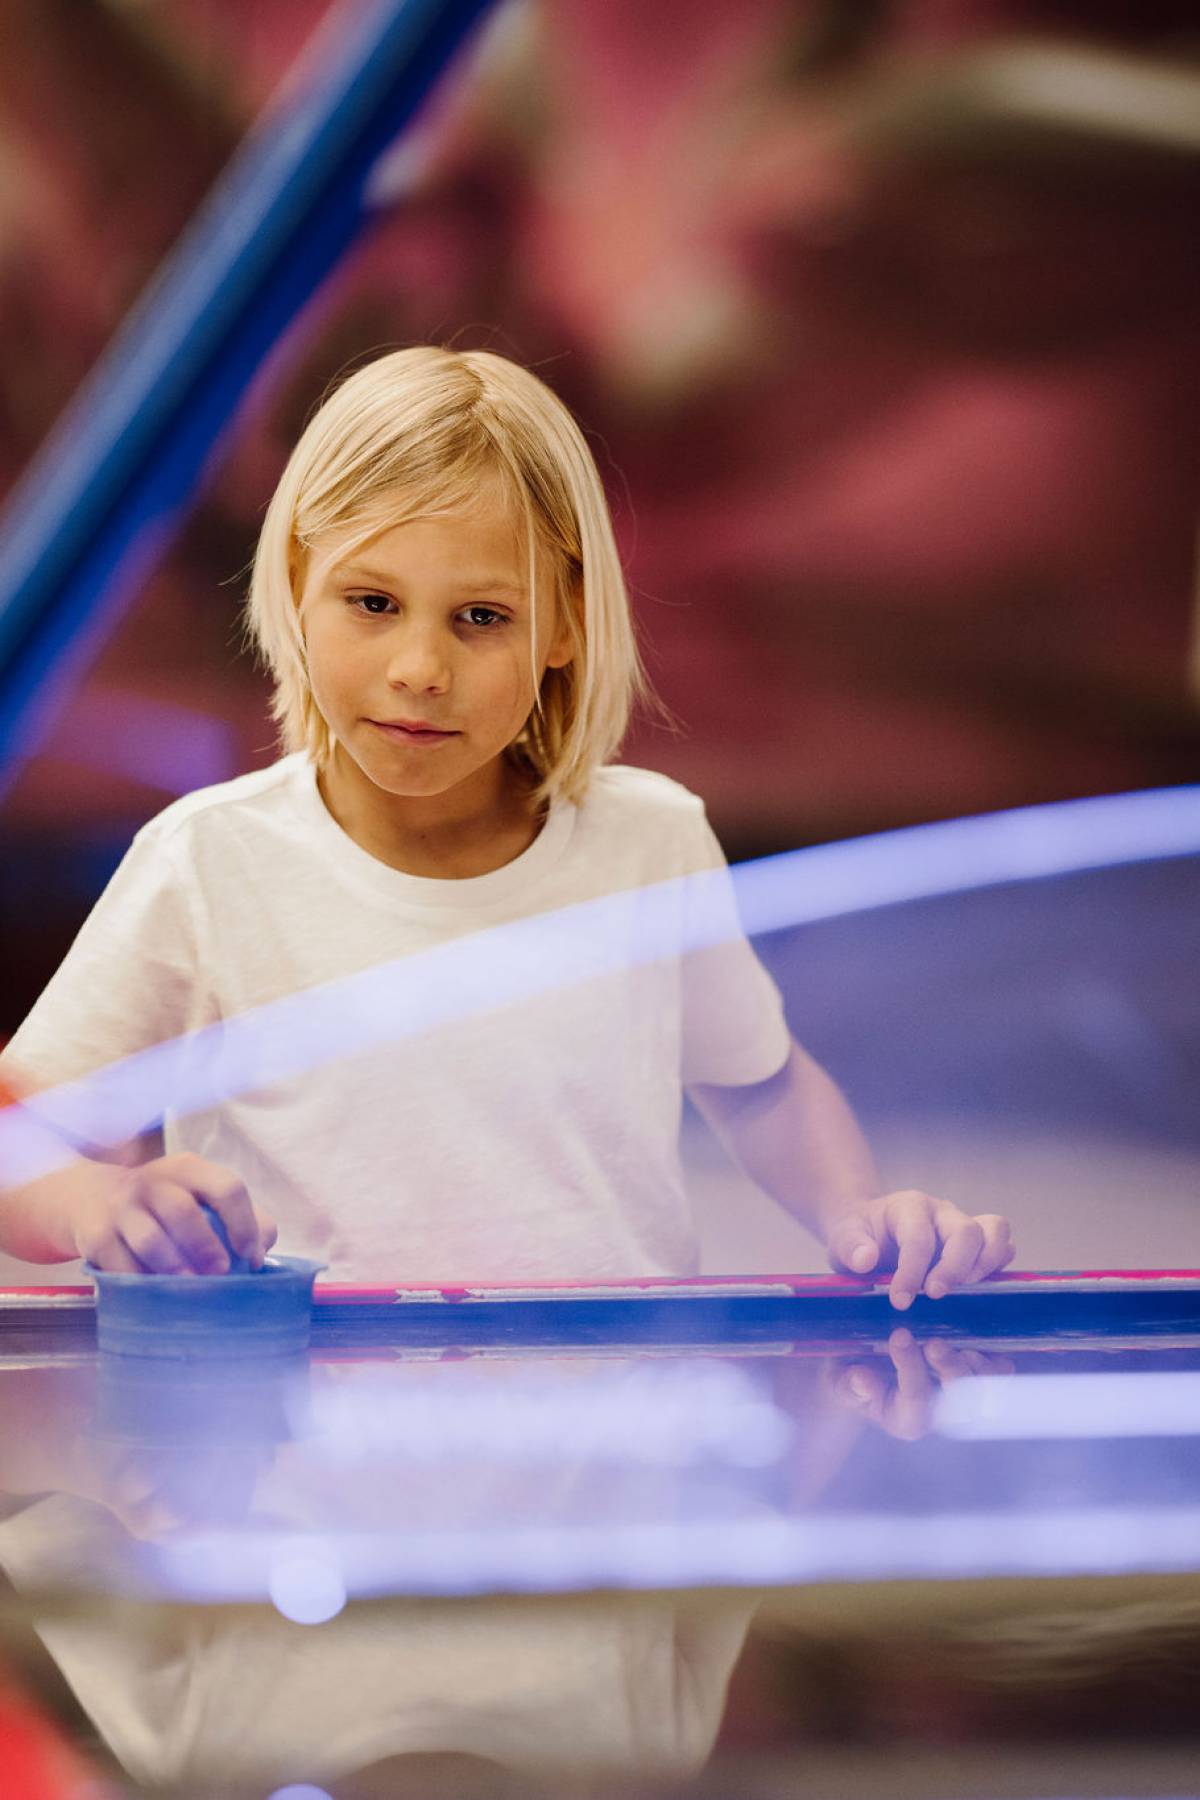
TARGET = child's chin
x,y
412,788
416,784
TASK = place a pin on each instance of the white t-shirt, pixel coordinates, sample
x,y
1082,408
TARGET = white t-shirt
x,y
619,1685
421,1080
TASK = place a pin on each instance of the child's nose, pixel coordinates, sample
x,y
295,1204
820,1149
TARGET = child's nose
x,y
419,663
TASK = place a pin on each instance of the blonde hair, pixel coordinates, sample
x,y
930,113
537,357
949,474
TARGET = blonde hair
x,y
421,432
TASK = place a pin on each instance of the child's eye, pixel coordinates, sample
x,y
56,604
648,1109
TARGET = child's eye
x,y
373,604
484,616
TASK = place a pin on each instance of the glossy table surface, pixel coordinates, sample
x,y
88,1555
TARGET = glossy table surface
x,y
671,1434
524,1542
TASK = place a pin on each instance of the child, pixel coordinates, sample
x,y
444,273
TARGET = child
x,y
438,596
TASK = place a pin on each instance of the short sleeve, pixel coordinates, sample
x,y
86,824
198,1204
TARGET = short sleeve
x,y
128,981
734,1030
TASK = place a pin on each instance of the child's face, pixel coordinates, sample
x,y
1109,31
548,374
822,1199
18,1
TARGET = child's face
x,y
419,648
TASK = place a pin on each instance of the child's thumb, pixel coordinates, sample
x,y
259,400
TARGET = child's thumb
x,y
853,1245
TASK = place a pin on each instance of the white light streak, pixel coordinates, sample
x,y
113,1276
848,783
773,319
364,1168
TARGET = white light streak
x,y
741,1550
1153,1404
657,1416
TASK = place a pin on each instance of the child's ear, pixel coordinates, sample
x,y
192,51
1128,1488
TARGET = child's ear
x,y
567,631
296,568
562,649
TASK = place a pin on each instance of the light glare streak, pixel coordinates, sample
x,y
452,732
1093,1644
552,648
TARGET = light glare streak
x,y
1164,1403
741,1550
515,962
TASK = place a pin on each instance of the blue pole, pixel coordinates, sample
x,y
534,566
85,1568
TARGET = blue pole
x,y
97,506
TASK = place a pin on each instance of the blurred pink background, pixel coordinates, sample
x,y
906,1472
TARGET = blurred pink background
x,y
882,319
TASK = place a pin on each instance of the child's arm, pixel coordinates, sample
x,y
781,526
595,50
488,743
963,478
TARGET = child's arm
x,y
795,1135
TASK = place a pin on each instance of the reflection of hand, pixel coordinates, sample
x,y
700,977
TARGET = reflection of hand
x,y
50,1444
899,1399
931,1244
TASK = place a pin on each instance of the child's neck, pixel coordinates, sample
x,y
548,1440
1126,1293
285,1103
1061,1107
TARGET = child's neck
x,y
448,837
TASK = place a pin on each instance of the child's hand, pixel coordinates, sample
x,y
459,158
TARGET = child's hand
x,y
148,1220
932,1245
899,1397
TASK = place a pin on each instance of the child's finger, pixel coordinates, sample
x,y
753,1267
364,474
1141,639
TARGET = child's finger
x,y
154,1249
948,1362
916,1244
111,1255
226,1193
997,1250
853,1245
863,1385
914,1387
962,1243
177,1211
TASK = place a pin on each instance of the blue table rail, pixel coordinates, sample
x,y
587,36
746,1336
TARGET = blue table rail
x,y
813,1312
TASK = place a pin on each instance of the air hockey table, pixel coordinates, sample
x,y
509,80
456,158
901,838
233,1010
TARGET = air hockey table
x,y
1051,1309
698,1401
633,1467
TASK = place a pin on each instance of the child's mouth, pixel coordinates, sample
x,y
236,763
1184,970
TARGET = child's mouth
x,y
412,732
